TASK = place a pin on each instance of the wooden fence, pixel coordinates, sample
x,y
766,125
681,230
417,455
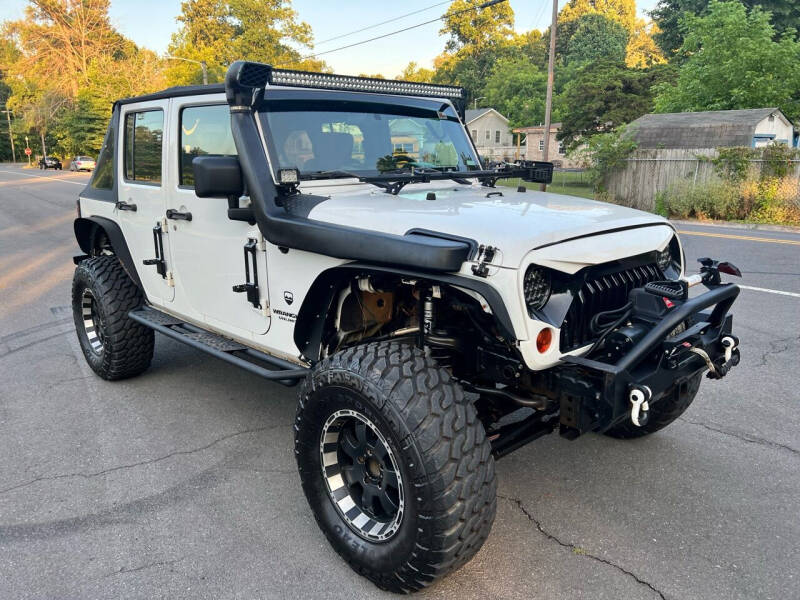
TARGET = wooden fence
x,y
648,172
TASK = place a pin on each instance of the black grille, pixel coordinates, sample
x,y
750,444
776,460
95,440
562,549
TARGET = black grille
x,y
600,293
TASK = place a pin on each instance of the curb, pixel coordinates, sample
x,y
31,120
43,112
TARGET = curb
x,y
750,226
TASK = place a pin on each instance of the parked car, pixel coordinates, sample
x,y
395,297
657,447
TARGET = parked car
x,y
437,322
82,163
49,162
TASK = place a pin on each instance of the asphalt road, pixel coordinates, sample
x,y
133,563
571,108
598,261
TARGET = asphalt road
x,y
181,483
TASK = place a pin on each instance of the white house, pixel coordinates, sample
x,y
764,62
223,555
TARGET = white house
x,y
491,134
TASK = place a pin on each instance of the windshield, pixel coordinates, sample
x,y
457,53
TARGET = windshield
x,y
338,138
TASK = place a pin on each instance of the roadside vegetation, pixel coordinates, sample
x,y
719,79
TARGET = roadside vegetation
x,y
752,185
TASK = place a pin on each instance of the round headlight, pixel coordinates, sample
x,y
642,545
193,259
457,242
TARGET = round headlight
x,y
664,259
669,259
536,287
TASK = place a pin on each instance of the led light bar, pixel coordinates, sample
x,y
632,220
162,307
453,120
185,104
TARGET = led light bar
x,y
328,81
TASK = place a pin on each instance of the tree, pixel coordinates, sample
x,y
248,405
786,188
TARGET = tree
x,y
734,62
603,96
642,50
668,13
621,11
477,39
414,72
222,31
597,37
471,30
516,88
58,40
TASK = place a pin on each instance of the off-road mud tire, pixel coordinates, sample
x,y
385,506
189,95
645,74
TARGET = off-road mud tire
x,y
127,346
442,452
662,413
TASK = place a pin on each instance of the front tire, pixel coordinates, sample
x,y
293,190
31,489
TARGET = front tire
x,y
115,346
672,405
384,418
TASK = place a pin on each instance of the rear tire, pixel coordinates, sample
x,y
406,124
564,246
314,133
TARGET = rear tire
x,y
443,504
668,408
115,346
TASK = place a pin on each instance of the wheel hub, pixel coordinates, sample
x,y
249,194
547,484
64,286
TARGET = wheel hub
x,y
361,475
93,325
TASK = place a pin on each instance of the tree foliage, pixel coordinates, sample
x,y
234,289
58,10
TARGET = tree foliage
x,y
734,62
470,31
57,41
516,88
222,31
668,14
604,95
641,50
597,37
413,72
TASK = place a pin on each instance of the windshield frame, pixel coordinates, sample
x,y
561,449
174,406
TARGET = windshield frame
x,y
356,102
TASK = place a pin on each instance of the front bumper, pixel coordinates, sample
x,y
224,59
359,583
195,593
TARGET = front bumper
x,y
596,395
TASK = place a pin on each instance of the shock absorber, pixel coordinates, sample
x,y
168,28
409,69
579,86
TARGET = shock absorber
x,y
426,310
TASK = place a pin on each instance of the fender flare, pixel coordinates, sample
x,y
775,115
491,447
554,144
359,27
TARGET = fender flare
x,y
316,305
86,229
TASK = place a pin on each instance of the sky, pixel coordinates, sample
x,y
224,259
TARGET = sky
x,y
150,23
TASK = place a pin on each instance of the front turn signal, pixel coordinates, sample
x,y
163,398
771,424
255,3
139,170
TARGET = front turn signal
x,y
544,339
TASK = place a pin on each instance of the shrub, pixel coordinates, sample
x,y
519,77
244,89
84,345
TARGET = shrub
x,y
765,200
605,153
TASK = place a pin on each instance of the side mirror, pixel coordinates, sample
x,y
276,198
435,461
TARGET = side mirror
x,y
217,177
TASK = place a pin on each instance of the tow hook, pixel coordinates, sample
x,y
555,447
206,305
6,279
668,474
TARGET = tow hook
x,y
731,358
640,399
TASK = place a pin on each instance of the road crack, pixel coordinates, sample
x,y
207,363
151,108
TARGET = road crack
x,y
161,563
149,461
743,437
578,550
777,347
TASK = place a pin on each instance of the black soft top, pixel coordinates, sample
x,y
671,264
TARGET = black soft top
x,y
175,92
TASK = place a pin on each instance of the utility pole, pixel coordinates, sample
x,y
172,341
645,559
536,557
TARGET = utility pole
x,y
548,107
10,135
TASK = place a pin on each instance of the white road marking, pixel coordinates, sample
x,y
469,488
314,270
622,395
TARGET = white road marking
x,y
779,292
83,183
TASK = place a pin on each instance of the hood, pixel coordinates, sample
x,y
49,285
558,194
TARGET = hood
x,y
515,222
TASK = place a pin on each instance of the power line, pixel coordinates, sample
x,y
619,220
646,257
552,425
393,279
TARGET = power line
x,y
378,37
337,37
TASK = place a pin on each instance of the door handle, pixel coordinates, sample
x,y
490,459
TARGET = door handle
x,y
178,216
125,206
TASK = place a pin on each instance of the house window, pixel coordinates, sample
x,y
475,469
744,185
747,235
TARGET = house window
x,y
474,134
497,137
488,135
541,145
561,148
143,137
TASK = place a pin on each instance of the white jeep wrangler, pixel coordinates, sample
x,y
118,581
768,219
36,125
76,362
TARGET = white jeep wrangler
x,y
340,231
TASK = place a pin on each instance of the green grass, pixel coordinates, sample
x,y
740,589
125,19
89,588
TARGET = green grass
x,y
570,183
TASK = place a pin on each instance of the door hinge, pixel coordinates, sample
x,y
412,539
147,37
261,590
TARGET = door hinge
x,y
170,279
250,287
158,243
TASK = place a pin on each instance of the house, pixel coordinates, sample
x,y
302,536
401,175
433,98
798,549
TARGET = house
x,y
491,134
713,129
532,147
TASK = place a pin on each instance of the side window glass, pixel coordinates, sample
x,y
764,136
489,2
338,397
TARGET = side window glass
x,y
205,130
143,141
103,176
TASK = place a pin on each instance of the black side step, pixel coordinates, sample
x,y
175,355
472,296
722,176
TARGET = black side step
x,y
259,363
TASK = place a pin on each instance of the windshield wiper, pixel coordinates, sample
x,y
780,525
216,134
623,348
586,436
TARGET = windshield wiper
x,y
333,174
393,182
